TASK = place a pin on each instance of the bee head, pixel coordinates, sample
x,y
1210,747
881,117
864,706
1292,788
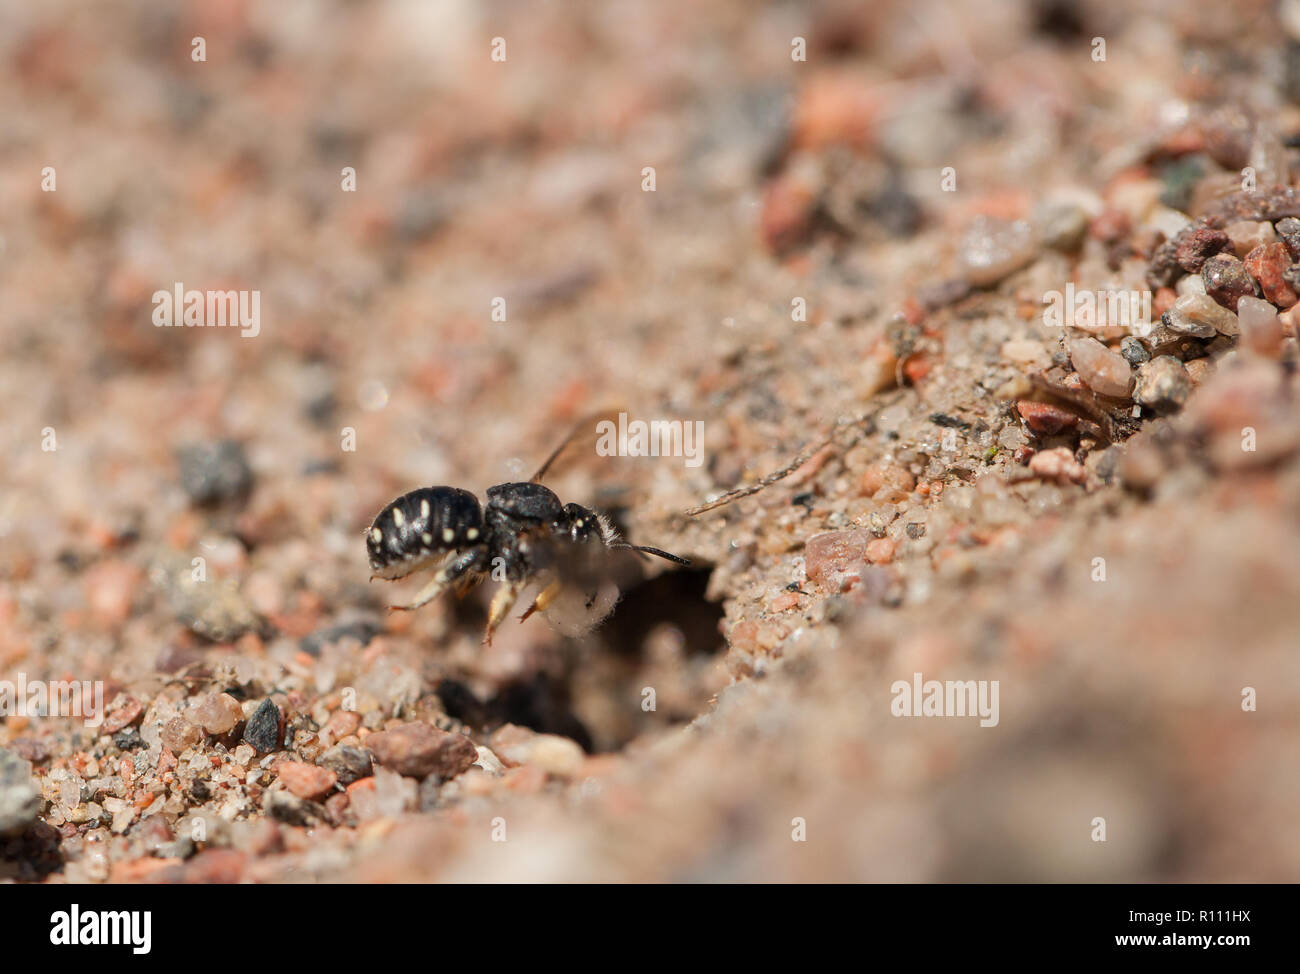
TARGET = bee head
x,y
578,524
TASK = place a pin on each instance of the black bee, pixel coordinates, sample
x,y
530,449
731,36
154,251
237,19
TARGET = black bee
x,y
522,536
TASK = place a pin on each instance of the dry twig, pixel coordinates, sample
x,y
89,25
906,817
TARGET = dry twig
x,y
804,456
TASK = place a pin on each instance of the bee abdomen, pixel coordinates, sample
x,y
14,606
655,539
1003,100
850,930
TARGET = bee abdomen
x,y
421,526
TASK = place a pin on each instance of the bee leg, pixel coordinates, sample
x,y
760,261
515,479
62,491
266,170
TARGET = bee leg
x,y
451,573
502,603
544,598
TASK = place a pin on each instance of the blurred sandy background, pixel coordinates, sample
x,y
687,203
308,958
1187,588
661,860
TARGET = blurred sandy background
x,y
775,180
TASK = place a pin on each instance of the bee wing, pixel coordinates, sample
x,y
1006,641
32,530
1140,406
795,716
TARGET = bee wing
x,y
584,431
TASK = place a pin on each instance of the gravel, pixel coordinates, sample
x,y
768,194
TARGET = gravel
x,y
1162,384
418,750
1106,372
1227,280
214,473
991,249
348,764
980,499
262,732
20,798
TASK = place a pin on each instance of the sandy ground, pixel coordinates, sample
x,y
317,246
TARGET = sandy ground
x,y
824,233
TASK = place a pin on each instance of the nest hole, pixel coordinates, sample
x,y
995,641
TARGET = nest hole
x,y
651,665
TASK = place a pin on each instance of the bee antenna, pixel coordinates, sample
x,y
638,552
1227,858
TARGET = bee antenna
x,y
654,551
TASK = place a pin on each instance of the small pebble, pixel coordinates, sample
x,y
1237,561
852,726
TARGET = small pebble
x,y
489,762
1189,284
1044,418
262,732
342,723
128,740
991,249
831,553
110,589
417,749
1227,280
349,764
20,797
557,756
1169,223
1246,235
290,809
1057,465
1288,229
1179,324
895,209
895,480
1200,316
178,734
1105,372
1026,351
784,602
214,609
1195,246
1061,226
123,712
1162,384
307,780
214,472
1261,330
1134,352
880,551
1268,265
218,713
